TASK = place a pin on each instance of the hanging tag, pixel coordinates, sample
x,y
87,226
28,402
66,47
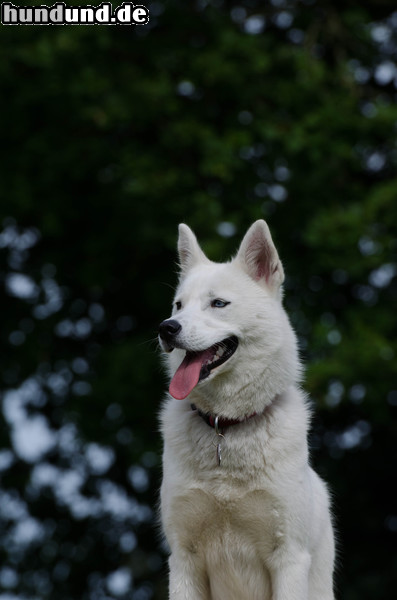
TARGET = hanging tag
x,y
218,447
218,455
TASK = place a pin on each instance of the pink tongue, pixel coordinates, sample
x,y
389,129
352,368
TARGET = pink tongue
x,y
188,374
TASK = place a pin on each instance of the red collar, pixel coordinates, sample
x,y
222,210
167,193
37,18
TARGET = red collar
x,y
223,423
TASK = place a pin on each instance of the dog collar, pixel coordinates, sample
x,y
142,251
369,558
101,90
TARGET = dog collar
x,y
220,423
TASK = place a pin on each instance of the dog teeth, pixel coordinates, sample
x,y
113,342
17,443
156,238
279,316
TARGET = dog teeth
x,y
218,354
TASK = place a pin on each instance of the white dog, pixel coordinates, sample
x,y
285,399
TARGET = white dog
x,y
245,516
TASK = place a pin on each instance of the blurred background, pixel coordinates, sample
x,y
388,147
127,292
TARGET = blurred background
x,y
216,113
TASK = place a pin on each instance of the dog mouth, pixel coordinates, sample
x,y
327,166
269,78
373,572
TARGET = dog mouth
x,y
197,366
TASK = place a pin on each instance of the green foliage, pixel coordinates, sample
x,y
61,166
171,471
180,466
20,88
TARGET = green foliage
x,y
216,114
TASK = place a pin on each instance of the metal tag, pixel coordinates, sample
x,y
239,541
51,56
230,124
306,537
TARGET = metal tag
x,y
219,455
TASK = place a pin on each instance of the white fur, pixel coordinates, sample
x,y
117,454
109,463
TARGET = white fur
x,y
258,526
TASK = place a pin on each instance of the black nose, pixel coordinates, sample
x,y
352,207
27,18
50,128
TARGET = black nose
x,y
168,329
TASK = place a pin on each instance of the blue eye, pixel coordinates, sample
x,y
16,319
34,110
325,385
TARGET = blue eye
x,y
218,303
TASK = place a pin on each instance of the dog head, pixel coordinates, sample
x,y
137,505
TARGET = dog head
x,y
228,333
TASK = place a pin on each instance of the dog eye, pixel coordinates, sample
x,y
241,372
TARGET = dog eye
x,y
178,305
218,303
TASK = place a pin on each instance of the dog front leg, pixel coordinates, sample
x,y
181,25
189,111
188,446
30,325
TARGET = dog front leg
x,y
188,578
290,576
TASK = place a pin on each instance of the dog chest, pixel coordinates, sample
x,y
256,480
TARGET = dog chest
x,y
199,519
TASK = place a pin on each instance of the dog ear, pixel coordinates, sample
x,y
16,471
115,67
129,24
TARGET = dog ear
x,y
259,257
189,250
